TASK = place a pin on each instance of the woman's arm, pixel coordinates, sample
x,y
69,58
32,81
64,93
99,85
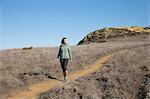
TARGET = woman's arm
x,y
59,52
70,53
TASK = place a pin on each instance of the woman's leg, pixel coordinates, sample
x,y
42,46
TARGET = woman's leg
x,y
64,63
65,73
62,66
66,68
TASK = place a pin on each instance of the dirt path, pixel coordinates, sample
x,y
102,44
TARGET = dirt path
x,y
33,91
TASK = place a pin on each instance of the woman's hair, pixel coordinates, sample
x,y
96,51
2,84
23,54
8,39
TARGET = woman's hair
x,y
63,39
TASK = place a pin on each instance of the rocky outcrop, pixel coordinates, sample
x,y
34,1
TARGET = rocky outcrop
x,y
108,34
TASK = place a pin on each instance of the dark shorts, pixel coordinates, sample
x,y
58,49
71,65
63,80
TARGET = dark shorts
x,y
64,64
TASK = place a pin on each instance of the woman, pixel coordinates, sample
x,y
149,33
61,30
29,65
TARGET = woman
x,y
64,55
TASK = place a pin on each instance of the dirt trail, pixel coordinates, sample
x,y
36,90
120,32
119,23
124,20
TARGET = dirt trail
x,y
33,91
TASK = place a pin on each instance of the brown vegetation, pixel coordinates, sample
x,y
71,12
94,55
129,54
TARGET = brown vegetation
x,y
115,34
125,76
20,68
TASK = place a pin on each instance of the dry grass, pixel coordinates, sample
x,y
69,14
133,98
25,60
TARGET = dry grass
x,y
115,34
125,76
20,68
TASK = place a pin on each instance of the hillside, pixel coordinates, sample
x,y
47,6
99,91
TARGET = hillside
x,y
115,34
125,76
28,73
21,68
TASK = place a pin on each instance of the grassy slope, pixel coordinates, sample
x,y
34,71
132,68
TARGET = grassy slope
x,y
20,68
125,76
115,34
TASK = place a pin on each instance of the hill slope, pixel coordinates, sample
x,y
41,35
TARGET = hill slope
x,y
120,33
21,68
125,76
